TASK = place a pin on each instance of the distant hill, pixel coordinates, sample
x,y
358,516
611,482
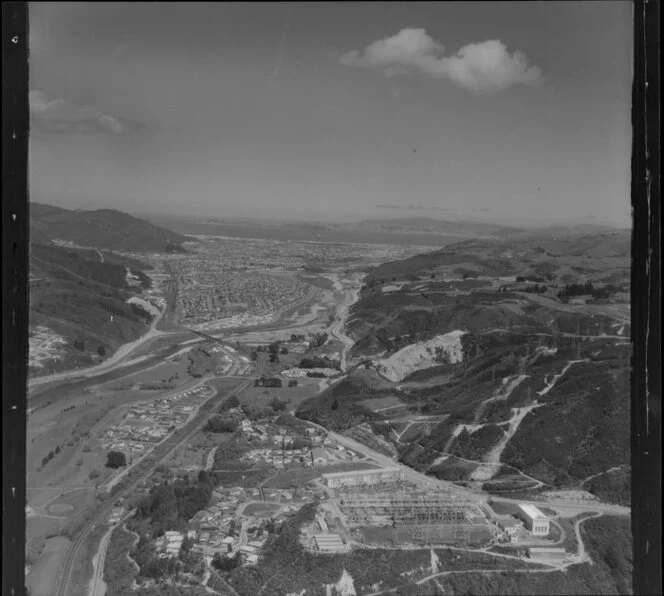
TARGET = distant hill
x,y
78,311
430,225
529,358
415,230
103,229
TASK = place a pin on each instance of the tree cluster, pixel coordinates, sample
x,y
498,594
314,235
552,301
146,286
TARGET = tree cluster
x,y
319,362
169,505
571,290
219,424
268,382
116,459
317,340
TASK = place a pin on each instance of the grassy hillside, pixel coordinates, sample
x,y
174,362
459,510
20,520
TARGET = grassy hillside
x,y
104,228
78,309
532,358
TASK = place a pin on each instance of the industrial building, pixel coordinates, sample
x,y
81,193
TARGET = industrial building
x,y
329,543
551,554
363,477
534,519
406,508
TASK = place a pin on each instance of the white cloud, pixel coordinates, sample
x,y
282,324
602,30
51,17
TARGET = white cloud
x,y
483,68
60,115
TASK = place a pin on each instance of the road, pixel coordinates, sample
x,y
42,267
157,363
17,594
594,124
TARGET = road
x,y
569,508
209,462
97,586
115,360
102,513
410,474
336,329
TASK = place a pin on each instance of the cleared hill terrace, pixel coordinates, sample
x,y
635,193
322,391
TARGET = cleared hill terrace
x,y
528,359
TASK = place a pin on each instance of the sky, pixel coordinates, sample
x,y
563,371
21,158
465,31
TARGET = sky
x,y
512,112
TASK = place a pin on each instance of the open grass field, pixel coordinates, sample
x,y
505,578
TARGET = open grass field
x,y
71,503
42,576
170,374
299,476
501,508
261,509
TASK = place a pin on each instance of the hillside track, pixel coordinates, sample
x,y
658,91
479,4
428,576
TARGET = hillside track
x,y
64,588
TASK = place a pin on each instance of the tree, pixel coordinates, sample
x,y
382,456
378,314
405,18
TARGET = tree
x,y
116,459
277,405
101,350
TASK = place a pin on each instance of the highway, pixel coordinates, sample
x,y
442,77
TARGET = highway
x,y
336,329
104,510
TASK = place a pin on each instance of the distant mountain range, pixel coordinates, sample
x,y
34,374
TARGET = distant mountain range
x,y
103,229
424,231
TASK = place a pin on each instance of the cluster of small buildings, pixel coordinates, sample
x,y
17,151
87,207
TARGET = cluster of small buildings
x,y
217,519
149,423
209,290
527,517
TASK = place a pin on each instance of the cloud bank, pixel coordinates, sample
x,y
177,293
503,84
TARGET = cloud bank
x,y
60,115
483,68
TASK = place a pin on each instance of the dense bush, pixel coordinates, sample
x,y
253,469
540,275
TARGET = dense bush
x,y
116,459
169,505
219,424
474,446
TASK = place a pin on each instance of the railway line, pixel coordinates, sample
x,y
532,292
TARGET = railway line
x,y
64,585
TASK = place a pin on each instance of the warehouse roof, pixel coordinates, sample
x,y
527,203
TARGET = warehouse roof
x,y
532,511
328,541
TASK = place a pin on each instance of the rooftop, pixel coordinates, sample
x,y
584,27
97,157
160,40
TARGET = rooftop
x,y
531,511
328,541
